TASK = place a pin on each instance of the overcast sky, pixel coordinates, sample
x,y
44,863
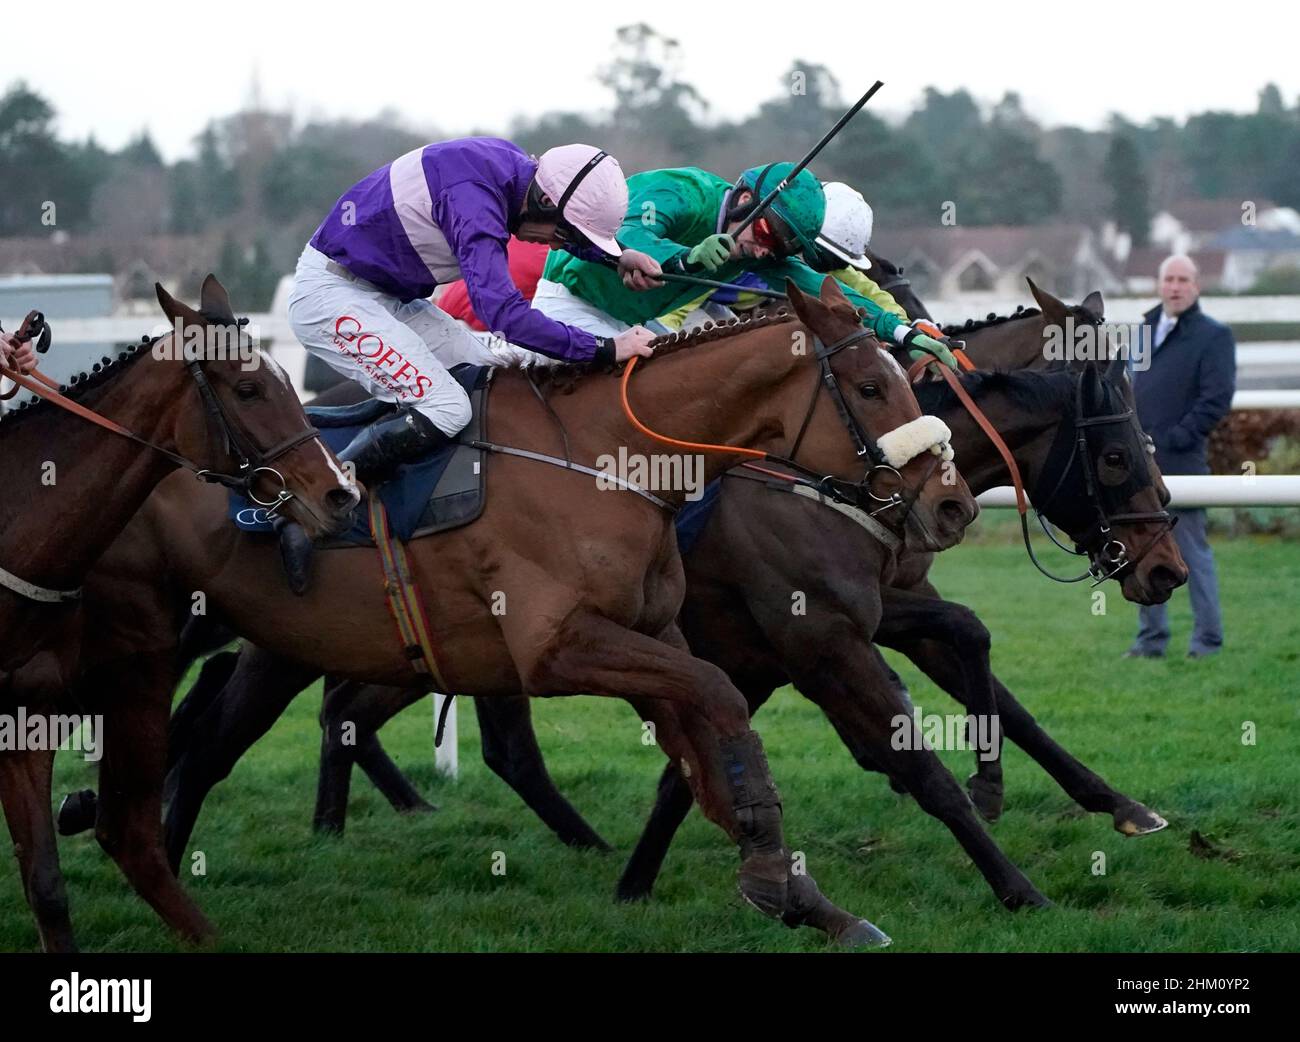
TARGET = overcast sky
x,y
170,66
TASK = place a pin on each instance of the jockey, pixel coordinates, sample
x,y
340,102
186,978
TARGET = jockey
x,y
685,218
436,214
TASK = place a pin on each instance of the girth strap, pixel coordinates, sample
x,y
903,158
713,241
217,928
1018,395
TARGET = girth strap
x,y
37,593
404,600
555,461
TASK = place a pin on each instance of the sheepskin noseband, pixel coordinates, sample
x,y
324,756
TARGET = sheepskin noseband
x,y
925,433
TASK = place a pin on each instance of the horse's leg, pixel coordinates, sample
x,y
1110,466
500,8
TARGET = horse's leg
x,y
854,688
673,801
938,660
137,697
259,691
25,779
725,762
388,778
907,614
351,714
510,749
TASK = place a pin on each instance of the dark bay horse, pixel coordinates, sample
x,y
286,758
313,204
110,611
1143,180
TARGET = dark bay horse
x,y
590,608
71,486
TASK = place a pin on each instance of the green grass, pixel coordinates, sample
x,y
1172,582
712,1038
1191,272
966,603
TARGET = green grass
x,y
1166,732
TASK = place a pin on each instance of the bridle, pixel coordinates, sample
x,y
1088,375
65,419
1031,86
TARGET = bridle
x,y
251,461
837,489
1113,555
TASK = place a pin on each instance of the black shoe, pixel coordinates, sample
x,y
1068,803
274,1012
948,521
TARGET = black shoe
x,y
295,552
381,448
375,455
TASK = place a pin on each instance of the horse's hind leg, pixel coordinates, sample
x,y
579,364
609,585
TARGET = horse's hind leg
x,y
25,779
258,692
510,749
351,714
129,819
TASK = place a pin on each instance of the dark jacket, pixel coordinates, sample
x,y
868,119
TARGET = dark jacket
x,y
1188,388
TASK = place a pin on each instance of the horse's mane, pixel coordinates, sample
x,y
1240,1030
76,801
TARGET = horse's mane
x,y
991,319
562,379
1027,389
81,384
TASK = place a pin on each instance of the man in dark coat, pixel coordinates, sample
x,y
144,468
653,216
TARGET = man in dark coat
x,y
1183,393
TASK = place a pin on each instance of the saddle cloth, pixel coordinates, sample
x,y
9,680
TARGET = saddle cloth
x,y
442,491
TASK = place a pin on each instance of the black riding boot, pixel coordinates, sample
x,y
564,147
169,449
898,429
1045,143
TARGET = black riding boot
x,y
375,455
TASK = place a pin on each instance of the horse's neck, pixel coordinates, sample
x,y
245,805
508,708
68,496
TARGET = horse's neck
x,y
730,391
71,486
978,459
1015,344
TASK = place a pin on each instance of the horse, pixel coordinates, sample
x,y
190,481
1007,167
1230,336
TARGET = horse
x,y
945,639
71,486
591,611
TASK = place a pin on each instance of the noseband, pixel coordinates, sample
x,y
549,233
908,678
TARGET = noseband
x,y
1114,556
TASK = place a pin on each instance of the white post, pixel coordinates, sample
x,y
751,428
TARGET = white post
x,y
446,757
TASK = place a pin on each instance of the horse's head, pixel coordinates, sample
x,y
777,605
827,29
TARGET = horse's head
x,y
894,453
243,421
1099,482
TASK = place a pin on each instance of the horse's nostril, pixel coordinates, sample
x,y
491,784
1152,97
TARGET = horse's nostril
x,y
341,500
1163,577
955,514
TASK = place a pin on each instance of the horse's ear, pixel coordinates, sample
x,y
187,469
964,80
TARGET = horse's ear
x,y
214,301
1116,369
1053,309
808,308
174,309
831,295
1094,305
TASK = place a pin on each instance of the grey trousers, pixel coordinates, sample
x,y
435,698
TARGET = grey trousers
x,y
1202,582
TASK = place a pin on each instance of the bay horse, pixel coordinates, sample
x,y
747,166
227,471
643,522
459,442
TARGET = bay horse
x,y
760,544
945,639
72,485
589,609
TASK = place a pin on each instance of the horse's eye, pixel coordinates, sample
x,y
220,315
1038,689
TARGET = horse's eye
x,y
870,389
247,390
1114,459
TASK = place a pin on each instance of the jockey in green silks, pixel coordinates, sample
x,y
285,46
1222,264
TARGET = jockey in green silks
x,y
683,218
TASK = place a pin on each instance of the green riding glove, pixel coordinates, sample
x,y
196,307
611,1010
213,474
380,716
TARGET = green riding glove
x,y
923,346
712,253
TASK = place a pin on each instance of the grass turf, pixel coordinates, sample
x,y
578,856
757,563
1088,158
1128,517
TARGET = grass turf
x,y
1169,733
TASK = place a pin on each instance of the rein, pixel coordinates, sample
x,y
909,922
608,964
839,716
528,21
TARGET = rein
x,y
1114,551
825,484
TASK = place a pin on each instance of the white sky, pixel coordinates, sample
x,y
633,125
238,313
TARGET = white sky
x,y
170,66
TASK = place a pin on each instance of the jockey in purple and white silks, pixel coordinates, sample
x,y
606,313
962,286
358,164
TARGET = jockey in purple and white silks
x,y
437,214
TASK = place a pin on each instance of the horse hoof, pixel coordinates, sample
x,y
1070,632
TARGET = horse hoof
x,y
764,882
631,892
987,797
863,934
1137,820
423,807
77,812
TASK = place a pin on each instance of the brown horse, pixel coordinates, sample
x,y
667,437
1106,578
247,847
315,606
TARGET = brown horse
x,y
591,608
756,641
70,488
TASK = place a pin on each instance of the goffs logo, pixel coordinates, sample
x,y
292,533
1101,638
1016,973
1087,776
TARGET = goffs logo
x,y
384,362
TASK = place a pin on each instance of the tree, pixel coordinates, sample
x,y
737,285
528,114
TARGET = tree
x,y
1129,189
35,168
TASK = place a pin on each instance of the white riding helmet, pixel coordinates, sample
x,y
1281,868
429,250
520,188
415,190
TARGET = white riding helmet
x,y
846,231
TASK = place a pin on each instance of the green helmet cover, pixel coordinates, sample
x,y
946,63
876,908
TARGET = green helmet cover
x,y
801,204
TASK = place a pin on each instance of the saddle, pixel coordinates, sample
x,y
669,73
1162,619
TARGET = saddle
x,y
445,490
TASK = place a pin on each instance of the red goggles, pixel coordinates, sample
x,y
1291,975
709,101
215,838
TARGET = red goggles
x,y
768,233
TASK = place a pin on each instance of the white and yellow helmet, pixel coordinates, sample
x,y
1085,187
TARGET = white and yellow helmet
x,y
846,229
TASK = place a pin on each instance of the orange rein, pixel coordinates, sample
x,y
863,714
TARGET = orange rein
x,y
676,442
1022,502
43,387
